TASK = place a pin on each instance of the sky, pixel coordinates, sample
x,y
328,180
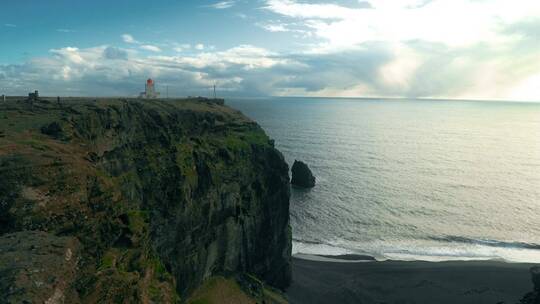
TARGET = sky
x,y
463,49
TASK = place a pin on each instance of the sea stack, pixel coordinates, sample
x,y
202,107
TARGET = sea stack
x,y
302,176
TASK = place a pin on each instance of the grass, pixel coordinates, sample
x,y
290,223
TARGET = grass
x,y
160,272
238,141
257,137
224,290
138,221
108,260
35,144
235,143
185,160
220,290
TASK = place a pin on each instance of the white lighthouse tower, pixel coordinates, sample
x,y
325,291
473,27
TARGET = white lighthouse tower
x,y
149,90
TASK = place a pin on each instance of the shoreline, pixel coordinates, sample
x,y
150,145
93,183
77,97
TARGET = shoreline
x,y
357,258
358,279
342,258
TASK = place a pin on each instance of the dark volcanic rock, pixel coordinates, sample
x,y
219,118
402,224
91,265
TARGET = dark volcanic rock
x,y
301,175
534,296
535,273
158,197
53,129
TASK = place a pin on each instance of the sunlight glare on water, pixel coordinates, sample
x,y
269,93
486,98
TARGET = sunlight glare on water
x,y
411,179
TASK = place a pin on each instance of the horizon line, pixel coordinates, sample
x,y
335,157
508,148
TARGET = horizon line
x,y
298,96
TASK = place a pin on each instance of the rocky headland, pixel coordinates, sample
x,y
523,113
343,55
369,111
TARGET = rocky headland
x,y
127,201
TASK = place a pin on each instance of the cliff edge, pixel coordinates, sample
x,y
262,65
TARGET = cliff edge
x,y
137,201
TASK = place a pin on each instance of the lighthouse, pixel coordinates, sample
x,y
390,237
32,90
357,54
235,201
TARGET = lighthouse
x,y
149,90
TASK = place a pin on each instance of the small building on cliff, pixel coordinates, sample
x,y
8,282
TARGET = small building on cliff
x,y
33,96
149,90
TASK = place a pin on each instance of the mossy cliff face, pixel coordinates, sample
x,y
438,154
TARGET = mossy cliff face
x,y
151,198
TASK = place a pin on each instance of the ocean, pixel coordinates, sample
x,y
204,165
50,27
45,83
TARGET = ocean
x,y
411,179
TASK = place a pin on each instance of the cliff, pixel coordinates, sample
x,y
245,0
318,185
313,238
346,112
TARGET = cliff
x,y
129,201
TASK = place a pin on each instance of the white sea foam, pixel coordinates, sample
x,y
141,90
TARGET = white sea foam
x,y
434,253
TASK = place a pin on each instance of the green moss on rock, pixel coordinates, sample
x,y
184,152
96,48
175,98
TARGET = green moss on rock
x,y
159,195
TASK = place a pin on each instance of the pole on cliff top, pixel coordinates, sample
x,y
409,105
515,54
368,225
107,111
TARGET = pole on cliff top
x,y
215,91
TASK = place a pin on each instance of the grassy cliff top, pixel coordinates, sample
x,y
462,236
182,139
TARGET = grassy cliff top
x,y
116,181
49,123
18,114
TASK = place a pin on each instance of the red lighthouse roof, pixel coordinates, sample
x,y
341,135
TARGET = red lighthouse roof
x,y
149,81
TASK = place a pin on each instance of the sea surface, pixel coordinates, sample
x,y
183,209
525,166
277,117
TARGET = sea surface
x,y
411,179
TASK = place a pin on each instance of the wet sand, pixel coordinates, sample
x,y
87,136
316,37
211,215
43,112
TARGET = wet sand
x,y
319,279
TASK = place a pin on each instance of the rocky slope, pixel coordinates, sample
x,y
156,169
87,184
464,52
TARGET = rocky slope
x,y
128,201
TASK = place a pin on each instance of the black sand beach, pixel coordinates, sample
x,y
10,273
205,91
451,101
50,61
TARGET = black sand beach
x,y
408,282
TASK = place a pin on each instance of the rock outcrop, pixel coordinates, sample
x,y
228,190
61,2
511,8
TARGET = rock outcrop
x,y
151,199
302,176
38,267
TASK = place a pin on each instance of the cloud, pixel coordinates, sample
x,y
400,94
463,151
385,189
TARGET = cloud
x,y
477,72
411,69
402,48
231,61
241,70
429,48
151,48
222,4
65,31
115,53
129,39
296,9
93,71
10,25
526,28
177,47
404,20
291,27
71,54
275,27
241,15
